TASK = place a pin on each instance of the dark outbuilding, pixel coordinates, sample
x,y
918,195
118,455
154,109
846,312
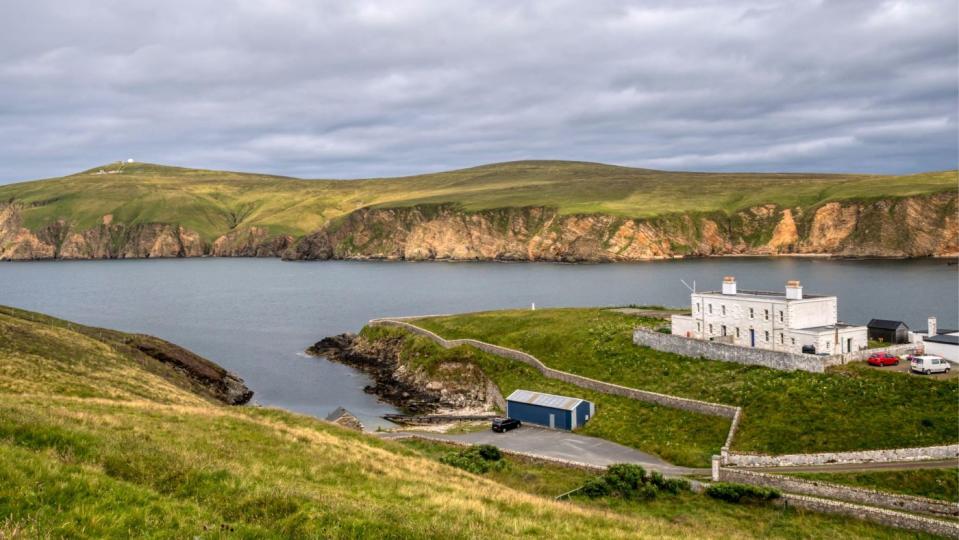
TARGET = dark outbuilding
x,y
888,331
558,412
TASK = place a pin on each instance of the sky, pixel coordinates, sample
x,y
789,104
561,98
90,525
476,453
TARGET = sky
x,y
333,89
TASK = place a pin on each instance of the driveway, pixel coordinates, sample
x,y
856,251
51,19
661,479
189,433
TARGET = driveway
x,y
560,445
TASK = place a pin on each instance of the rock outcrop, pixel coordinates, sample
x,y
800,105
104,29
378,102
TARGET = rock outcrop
x,y
918,226
454,386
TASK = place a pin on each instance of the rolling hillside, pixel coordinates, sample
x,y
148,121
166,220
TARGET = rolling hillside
x,y
534,210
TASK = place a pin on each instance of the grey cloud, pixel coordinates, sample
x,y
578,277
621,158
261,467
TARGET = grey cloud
x,y
375,88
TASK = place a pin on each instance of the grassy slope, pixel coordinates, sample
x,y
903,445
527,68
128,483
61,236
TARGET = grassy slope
x,y
93,444
723,519
680,437
933,483
782,412
211,202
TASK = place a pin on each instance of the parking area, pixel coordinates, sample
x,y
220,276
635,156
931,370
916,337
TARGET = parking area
x,y
562,445
903,368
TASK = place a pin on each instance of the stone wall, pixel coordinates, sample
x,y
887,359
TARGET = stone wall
x,y
891,518
839,491
895,350
712,350
740,459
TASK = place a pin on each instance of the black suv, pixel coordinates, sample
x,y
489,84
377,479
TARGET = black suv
x,y
505,424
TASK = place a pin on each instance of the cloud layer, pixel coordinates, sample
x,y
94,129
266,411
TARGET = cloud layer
x,y
382,88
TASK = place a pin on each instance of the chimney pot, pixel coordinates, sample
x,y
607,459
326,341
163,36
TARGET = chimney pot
x,y
933,327
729,285
793,290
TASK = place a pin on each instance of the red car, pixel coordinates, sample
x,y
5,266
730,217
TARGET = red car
x,y
883,359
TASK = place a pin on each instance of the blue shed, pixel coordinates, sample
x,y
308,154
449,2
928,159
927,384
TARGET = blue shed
x,y
559,412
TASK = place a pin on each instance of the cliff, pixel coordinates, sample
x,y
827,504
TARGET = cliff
x,y
915,226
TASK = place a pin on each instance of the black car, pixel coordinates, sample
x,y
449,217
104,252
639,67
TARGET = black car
x,y
505,424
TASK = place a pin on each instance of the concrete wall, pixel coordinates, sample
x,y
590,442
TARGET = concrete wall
x,y
841,492
741,459
697,348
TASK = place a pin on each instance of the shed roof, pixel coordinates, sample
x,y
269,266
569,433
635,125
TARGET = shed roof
x,y
544,400
885,324
949,340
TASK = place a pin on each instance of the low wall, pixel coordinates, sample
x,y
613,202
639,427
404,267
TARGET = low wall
x,y
741,459
895,350
714,350
841,492
703,407
882,516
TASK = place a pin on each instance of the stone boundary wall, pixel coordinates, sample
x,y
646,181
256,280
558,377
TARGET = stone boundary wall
x,y
714,350
741,459
882,516
895,350
702,407
842,492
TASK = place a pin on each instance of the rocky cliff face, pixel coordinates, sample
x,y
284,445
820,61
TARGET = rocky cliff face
x,y
906,227
912,227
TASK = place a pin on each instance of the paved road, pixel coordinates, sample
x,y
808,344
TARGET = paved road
x,y
856,467
561,445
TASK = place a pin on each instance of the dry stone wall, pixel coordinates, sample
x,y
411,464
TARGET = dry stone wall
x,y
891,518
714,350
841,492
741,459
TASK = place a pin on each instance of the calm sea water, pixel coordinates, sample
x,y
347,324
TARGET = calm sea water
x,y
256,316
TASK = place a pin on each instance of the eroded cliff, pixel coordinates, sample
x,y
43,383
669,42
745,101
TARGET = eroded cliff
x,y
892,227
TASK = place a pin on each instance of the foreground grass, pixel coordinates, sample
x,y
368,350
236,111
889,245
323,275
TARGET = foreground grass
x,y
724,519
782,412
680,437
942,484
215,202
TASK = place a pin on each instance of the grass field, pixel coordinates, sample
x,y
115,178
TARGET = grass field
x,y
783,412
95,444
725,519
214,202
680,437
940,484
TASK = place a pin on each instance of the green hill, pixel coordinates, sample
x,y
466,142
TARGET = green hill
x,y
742,208
99,441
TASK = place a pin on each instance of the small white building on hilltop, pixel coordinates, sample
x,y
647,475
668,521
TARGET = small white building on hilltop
x,y
787,321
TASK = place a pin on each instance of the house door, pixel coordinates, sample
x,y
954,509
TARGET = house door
x,y
752,337
552,421
848,344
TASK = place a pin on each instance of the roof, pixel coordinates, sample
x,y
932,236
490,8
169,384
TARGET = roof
x,y
830,327
544,400
885,324
940,331
948,340
778,295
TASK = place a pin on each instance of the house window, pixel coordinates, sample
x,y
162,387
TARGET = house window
x,y
737,331
751,313
767,335
724,329
724,308
699,327
710,329
766,313
793,340
710,309
782,338
697,307
780,316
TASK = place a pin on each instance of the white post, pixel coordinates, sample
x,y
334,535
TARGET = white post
x,y
533,306
715,470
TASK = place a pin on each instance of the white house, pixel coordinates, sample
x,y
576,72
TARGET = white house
x,y
944,343
784,321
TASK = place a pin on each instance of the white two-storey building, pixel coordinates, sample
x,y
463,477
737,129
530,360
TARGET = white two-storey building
x,y
784,321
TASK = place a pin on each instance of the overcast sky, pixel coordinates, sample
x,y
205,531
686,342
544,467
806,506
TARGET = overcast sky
x,y
382,88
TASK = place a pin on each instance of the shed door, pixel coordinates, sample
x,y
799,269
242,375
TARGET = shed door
x,y
552,420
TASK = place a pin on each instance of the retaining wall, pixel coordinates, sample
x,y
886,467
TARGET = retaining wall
x,y
714,350
841,492
741,459
703,407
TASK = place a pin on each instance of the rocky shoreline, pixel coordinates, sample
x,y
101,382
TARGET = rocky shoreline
x,y
413,391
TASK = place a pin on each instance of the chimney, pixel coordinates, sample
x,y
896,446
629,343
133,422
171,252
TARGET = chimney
x,y
793,290
729,285
933,326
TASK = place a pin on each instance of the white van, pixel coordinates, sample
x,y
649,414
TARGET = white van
x,y
928,364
